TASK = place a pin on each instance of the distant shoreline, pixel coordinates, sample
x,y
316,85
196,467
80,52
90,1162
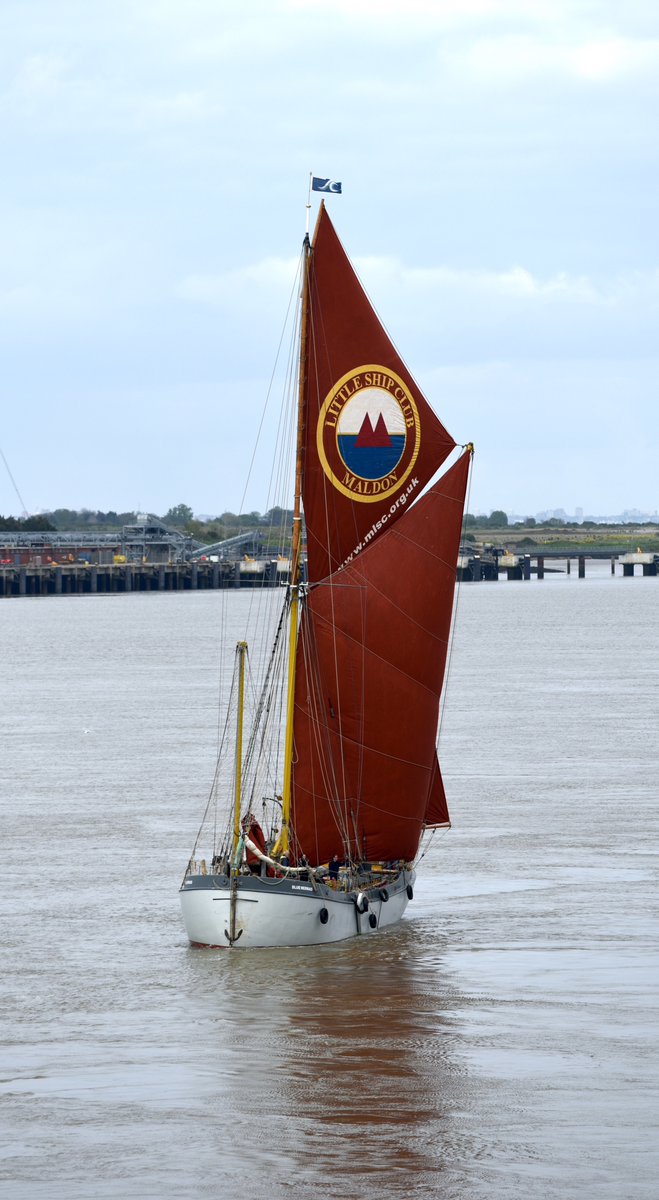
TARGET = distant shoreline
x,y
529,539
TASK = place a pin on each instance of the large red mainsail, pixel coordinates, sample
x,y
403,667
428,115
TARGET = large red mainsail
x,y
382,558
371,440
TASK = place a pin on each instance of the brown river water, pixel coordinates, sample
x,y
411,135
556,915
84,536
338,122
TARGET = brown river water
x,y
502,1042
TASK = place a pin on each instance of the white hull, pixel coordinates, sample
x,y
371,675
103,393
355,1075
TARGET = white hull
x,y
284,913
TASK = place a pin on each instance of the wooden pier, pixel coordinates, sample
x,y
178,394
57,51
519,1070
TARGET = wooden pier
x,y
475,567
83,578
79,579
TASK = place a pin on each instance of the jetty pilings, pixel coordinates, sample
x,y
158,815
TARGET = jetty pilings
x,y
79,579
84,578
493,564
647,562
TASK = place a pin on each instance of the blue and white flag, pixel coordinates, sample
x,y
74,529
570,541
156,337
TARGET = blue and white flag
x,y
325,185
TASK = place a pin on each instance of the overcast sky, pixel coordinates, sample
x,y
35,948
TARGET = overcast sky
x,y
499,167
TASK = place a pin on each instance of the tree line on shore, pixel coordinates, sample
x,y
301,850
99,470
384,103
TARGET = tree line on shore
x,y
39,524
180,516
226,524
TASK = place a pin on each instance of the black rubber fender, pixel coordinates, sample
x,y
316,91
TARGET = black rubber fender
x,y
361,902
324,916
410,891
384,894
372,920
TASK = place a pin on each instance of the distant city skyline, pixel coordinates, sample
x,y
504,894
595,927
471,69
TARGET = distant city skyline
x,y
628,514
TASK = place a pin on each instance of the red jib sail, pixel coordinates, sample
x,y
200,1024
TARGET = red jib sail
x,y
371,658
371,440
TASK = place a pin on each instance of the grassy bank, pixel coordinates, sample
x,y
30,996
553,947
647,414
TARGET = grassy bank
x,y
602,540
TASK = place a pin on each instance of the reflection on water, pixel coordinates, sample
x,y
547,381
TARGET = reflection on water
x,y
501,1043
358,1052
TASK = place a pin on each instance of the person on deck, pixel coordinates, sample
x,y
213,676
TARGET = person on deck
x,y
253,831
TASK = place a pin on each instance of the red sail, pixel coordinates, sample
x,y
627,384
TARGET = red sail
x,y
437,807
371,440
371,659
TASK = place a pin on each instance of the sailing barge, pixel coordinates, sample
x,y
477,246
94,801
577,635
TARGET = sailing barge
x,y
351,696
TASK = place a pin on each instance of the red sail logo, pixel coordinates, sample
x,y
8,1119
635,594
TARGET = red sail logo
x,y
368,434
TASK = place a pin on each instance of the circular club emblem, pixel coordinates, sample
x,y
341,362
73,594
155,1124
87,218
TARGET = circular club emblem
x,y
368,433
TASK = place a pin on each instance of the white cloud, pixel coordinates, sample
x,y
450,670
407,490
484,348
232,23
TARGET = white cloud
x,y
419,296
435,12
447,315
391,275
554,427
517,283
182,107
600,60
242,285
41,76
522,57
20,301
61,93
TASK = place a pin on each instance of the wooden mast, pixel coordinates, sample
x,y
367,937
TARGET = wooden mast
x,y
241,654
283,842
